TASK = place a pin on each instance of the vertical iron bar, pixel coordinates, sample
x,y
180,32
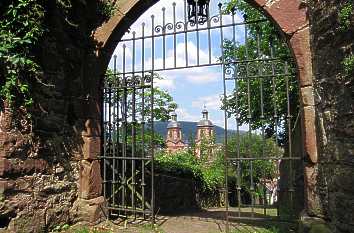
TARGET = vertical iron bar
x,y
133,193
118,119
249,118
124,125
197,29
209,35
238,172
275,112
105,137
291,172
152,126
174,35
110,132
226,189
114,142
143,119
185,33
260,73
164,37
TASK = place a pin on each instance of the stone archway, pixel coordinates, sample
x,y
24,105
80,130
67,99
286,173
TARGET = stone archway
x,y
291,17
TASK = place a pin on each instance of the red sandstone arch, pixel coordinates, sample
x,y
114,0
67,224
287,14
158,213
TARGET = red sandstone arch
x,y
291,18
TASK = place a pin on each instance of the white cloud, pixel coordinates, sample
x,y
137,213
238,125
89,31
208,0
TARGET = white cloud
x,y
211,102
167,83
184,115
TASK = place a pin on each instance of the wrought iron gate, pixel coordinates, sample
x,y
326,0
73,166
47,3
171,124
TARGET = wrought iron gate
x,y
253,80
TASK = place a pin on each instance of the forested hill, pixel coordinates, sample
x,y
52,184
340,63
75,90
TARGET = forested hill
x,y
189,129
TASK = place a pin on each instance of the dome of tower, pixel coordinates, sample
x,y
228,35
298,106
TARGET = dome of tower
x,y
173,123
205,121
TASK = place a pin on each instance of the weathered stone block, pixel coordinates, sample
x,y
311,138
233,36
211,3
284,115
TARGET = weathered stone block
x,y
91,128
28,222
90,183
300,43
312,198
310,137
6,185
307,96
91,211
91,148
289,15
4,166
6,120
22,167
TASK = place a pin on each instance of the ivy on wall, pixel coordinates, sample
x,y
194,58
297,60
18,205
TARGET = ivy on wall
x,y
345,15
22,28
346,18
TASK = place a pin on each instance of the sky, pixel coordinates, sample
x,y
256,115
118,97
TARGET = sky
x,y
191,88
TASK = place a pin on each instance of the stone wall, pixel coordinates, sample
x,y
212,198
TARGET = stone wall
x,y
43,157
334,95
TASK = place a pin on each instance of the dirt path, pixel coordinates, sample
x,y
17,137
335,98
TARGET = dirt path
x,y
208,221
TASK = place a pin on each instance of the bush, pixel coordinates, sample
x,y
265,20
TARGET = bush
x,y
209,175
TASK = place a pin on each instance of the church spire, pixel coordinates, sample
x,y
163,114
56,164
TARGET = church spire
x,y
174,116
205,113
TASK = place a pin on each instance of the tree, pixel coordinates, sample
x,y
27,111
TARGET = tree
x,y
259,169
163,101
260,98
139,115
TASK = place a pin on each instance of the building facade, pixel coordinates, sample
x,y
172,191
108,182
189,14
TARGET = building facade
x,y
204,140
174,141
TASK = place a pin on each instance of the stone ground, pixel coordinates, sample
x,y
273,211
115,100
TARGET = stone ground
x,y
210,221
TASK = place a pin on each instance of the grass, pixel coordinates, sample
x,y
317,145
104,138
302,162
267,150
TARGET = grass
x,y
149,228
249,229
270,212
78,229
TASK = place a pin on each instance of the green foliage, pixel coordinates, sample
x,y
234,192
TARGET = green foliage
x,y
20,30
61,228
181,163
163,105
348,64
345,14
106,8
257,230
253,146
250,104
210,171
151,228
163,101
185,164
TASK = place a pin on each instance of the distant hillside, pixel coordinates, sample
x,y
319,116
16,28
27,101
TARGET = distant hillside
x,y
189,129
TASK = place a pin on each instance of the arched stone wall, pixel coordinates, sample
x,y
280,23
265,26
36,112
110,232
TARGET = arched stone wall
x,y
291,16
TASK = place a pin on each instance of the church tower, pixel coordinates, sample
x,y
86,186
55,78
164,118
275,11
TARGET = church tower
x,y
205,133
174,140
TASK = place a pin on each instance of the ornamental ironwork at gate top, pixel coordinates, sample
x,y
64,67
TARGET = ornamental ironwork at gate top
x,y
177,41
166,42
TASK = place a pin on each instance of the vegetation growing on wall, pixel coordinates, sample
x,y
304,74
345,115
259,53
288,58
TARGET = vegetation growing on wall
x,y
184,163
346,21
22,28
210,171
345,14
20,31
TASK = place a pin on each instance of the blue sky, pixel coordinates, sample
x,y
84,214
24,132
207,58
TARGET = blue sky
x,y
193,87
